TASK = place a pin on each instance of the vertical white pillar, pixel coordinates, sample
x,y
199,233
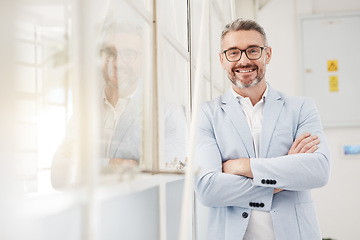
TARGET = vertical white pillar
x,y
86,108
188,192
11,225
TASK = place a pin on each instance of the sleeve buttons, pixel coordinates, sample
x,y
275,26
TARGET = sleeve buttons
x,y
268,181
256,205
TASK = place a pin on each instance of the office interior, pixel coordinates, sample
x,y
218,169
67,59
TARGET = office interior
x,y
51,86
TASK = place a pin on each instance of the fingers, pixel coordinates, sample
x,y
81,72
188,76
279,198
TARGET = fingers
x,y
116,162
230,166
313,148
295,146
306,143
225,167
240,166
310,145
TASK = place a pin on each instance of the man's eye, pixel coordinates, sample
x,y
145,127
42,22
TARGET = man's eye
x,y
253,50
129,55
233,52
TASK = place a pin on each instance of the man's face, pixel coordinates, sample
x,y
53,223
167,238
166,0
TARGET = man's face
x,y
122,61
245,73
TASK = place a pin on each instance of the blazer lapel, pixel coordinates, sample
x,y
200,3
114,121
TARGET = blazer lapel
x,y
272,109
129,117
234,111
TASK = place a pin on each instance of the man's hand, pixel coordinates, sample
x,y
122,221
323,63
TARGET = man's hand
x,y
306,143
117,162
240,166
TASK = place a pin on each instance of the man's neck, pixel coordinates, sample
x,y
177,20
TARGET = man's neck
x,y
254,93
112,95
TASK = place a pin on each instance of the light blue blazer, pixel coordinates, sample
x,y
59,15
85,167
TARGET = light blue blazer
x,y
127,138
224,134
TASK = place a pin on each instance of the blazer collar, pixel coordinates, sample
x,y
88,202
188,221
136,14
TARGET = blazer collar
x,y
272,109
232,108
130,118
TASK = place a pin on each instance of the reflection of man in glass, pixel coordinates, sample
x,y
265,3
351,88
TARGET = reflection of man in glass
x,y
122,54
121,67
122,57
122,64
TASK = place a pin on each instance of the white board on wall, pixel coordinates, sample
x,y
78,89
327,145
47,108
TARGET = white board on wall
x,y
330,66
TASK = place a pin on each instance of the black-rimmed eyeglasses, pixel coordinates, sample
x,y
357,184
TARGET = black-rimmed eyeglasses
x,y
252,53
127,55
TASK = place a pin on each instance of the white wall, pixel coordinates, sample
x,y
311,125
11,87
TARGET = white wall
x,y
337,203
279,22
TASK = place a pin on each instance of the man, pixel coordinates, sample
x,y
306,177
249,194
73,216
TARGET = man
x,y
122,54
260,152
123,57
121,107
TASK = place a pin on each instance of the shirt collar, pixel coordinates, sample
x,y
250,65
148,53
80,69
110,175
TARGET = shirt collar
x,y
239,97
106,101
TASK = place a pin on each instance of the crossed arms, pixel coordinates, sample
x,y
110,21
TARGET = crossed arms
x,y
305,143
224,179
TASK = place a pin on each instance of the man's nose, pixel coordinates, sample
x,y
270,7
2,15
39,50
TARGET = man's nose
x,y
243,58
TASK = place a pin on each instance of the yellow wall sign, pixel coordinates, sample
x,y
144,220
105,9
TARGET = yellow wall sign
x,y
333,83
332,65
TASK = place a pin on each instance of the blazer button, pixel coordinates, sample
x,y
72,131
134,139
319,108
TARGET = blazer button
x,y
251,204
267,181
262,205
263,181
245,214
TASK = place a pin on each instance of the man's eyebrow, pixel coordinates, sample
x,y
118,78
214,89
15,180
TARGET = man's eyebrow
x,y
252,45
230,48
108,46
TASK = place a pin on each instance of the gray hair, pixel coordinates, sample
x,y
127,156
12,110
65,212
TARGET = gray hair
x,y
108,27
243,24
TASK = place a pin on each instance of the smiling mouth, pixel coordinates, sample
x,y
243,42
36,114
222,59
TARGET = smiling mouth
x,y
244,71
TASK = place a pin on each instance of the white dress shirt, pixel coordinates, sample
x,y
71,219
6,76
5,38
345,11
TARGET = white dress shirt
x,y
260,225
111,118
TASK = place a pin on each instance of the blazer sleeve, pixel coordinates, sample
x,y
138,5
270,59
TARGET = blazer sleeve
x,y
215,188
301,171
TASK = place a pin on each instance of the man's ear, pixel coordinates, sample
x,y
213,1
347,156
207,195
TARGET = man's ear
x,y
268,54
222,60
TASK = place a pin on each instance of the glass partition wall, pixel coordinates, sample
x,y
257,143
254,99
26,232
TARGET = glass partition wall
x,y
102,96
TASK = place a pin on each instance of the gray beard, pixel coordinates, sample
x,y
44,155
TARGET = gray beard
x,y
241,85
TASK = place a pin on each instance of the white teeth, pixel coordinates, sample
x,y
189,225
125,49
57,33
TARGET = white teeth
x,y
244,71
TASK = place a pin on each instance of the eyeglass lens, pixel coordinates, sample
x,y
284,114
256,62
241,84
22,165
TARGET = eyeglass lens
x,y
127,55
251,53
